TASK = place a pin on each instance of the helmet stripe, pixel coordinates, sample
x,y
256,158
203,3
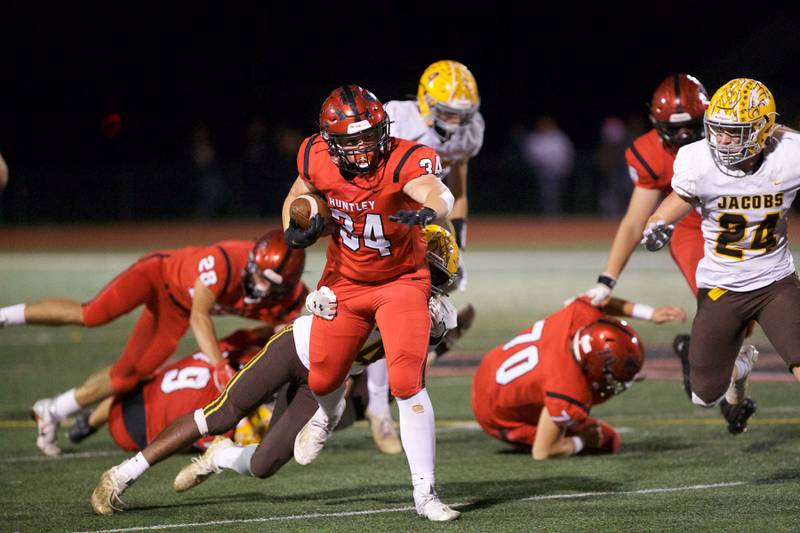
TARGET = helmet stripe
x,y
677,81
350,99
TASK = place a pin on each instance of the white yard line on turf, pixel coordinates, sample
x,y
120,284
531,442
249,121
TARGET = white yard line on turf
x,y
404,509
79,455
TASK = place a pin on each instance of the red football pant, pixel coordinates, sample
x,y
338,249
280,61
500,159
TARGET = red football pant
x,y
686,247
158,330
400,310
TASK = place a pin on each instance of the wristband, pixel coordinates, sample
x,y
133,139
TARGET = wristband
x,y
578,442
606,280
642,311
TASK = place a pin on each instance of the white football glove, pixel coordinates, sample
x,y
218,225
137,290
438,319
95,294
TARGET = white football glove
x,y
599,294
656,235
444,316
322,303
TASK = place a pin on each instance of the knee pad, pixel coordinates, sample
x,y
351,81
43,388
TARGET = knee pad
x,y
321,385
697,400
404,391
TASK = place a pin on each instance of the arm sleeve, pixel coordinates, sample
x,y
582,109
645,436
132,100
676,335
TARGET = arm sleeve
x,y
684,182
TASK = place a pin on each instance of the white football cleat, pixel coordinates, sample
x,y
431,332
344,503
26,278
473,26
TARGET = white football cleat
x,y
106,495
47,436
312,438
383,433
431,507
202,467
737,391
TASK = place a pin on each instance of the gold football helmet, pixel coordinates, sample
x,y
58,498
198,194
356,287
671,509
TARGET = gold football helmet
x,y
739,121
442,257
447,96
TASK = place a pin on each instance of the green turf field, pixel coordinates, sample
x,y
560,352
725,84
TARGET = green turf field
x,y
678,469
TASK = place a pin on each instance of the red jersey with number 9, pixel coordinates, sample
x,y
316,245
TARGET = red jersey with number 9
x,y
534,370
367,246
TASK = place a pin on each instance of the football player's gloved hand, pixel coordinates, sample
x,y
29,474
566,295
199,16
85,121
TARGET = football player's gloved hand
x,y
322,302
421,218
601,292
296,237
444,317
656,235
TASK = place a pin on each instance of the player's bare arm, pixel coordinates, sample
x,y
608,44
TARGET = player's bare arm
x,y
671,210
551,440
431,193
642,204
299,187
457,183
201,322
659,315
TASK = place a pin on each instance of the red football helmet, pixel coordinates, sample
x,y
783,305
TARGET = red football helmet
x,y
356,127
677,109
273,268
610,354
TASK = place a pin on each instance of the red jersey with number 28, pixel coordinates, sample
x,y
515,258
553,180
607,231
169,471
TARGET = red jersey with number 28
x,y
534,370
219,267
368,246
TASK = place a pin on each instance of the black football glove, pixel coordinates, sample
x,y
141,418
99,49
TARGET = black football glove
x,y
296,237
656,235
421,218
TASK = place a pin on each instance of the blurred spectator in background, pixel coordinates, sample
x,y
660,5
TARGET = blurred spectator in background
x,y
281,168
551,157
3,173
207,176
255,162
612,169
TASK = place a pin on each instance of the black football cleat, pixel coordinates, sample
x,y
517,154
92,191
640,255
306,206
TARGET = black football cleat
x,y
81,428
681,347
737,415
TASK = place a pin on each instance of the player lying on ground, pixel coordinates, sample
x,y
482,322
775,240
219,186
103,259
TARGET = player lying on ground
x,y
137,417
743,178
284,360
178,288
537,389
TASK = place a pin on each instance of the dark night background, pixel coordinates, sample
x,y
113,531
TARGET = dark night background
x,y
167,70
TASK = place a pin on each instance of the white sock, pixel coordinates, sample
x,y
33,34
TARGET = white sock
x,y
378,386
64,405
331,404
418,435
741,368
13,315
236,458
135,466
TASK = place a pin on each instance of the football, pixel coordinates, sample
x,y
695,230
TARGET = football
x,y
306,206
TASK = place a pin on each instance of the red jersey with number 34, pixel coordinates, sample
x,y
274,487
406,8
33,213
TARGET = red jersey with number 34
x,y
533,371
367,246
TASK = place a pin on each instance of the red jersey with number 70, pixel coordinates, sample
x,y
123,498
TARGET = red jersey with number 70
x,y
533,371
367,246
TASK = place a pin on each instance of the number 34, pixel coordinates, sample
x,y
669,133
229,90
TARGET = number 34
x,y
429,166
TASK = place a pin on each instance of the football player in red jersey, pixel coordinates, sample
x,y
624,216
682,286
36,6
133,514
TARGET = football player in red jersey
x,y
179,288
537,389
135,418
382,191
676,111
282,365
